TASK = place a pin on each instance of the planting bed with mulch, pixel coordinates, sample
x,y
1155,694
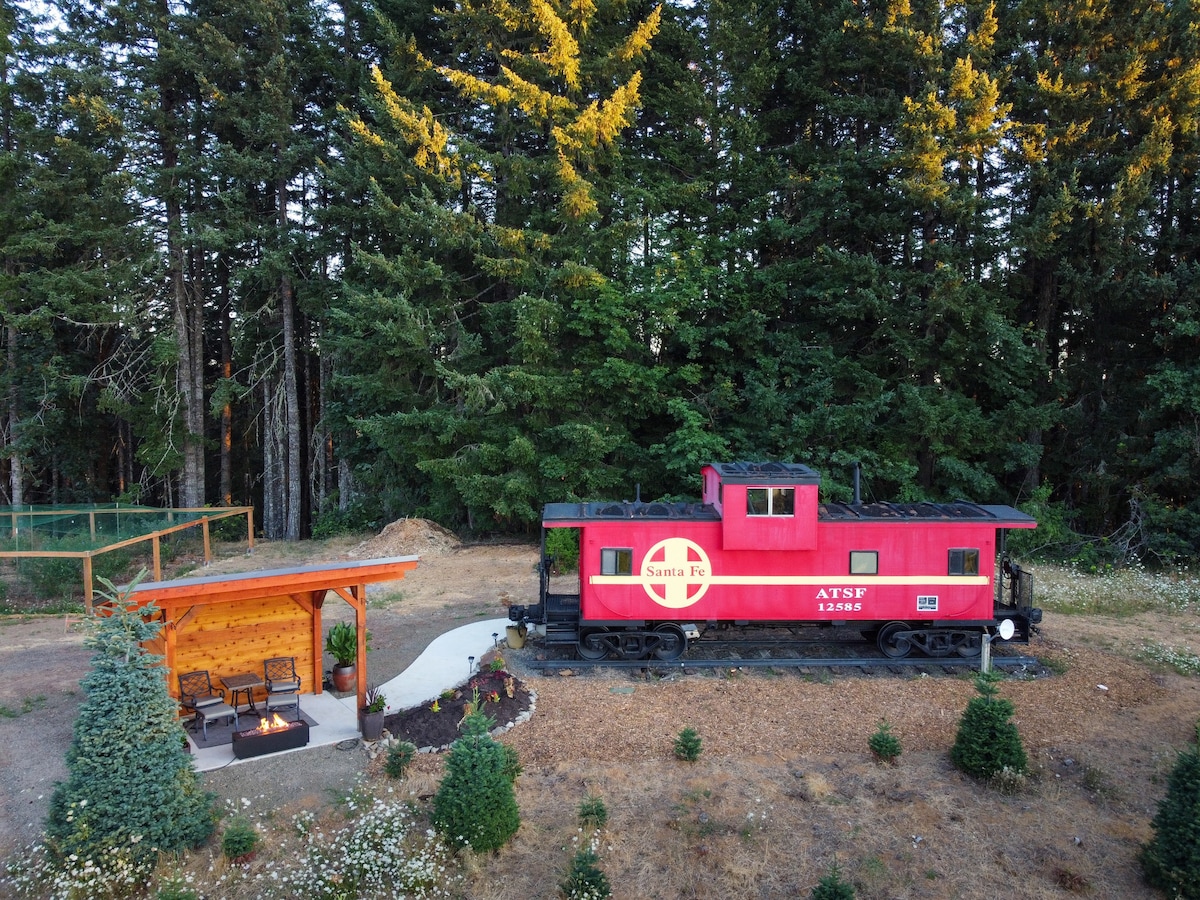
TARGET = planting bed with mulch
x,y
500,696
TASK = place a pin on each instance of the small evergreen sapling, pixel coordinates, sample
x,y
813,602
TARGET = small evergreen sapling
x,y
687,745
1171,859
399,757
585,880
593,813
884,745
131,788
475,803
831,887
239,840
987,742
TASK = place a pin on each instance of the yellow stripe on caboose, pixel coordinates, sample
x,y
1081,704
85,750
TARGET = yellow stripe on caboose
x,y
774,580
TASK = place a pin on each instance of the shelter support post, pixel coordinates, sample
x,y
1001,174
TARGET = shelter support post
x,y
87,584
360,621
318,645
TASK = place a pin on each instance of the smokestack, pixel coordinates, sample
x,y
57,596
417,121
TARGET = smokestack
x,y
857,484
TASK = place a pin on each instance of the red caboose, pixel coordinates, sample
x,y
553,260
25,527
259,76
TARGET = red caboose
x,y
760,548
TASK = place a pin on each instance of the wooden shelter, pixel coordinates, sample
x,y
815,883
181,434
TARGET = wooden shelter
x,y
230,624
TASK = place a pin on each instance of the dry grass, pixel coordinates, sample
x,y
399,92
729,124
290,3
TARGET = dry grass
x,y
723,828
786,787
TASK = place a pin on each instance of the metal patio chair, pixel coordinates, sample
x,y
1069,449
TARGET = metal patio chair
x,y
196,692
283,684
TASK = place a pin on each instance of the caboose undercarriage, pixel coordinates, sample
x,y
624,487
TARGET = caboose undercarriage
x,y
669,641
558,616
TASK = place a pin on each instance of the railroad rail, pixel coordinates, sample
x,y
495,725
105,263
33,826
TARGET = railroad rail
x,y
908,663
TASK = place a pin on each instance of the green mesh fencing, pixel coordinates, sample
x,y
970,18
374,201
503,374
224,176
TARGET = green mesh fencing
x,y
79,528
53,554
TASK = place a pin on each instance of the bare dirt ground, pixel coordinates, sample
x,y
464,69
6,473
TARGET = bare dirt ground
x,y
784,788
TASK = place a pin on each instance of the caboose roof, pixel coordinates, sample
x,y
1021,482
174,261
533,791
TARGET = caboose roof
x,y
657,510
958,511
766,473
783,473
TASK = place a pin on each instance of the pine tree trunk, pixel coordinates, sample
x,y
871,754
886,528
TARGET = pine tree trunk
x,y
330,464
291,398
187,313
345,484
16,470
226,488
273,519
1042,278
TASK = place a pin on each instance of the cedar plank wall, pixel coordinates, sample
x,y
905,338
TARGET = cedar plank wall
x,y
231,638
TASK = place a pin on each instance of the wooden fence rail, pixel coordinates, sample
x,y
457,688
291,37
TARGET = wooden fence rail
x,y
208,515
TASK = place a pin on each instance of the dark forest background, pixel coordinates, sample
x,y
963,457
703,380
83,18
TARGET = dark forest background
x,y
351,262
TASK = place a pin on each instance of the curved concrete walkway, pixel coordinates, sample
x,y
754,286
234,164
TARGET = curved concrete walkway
x,y
443,664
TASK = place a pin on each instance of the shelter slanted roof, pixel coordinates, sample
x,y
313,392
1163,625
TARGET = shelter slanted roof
x,y
273,582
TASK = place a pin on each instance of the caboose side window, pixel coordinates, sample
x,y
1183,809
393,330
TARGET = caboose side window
x,y
864,562
964,562
770,501
614,561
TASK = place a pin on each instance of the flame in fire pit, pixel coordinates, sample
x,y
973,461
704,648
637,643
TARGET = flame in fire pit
x,y
266,726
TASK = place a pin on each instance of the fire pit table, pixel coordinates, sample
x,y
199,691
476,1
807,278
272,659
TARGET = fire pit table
x,y
271,736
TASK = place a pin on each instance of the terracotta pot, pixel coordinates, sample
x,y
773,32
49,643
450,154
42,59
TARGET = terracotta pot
x,y
344,678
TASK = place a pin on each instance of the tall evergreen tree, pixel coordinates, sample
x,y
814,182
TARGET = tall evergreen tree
x,y
69,255
853,253
1093,97
263,88
131,790
158,381
509,295
1161,458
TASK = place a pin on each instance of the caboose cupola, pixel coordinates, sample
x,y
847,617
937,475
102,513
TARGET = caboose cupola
x,y
764,506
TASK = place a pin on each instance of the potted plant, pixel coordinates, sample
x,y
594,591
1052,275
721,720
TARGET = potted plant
x,y
342,644
371,717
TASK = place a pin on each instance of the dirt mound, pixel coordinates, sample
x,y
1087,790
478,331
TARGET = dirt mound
x,y
408,537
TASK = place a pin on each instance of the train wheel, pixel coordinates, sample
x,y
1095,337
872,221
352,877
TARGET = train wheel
x,y
971,647
892,646
672,643
591,643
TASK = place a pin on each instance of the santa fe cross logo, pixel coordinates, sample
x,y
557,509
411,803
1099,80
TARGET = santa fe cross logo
x,y
680,568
